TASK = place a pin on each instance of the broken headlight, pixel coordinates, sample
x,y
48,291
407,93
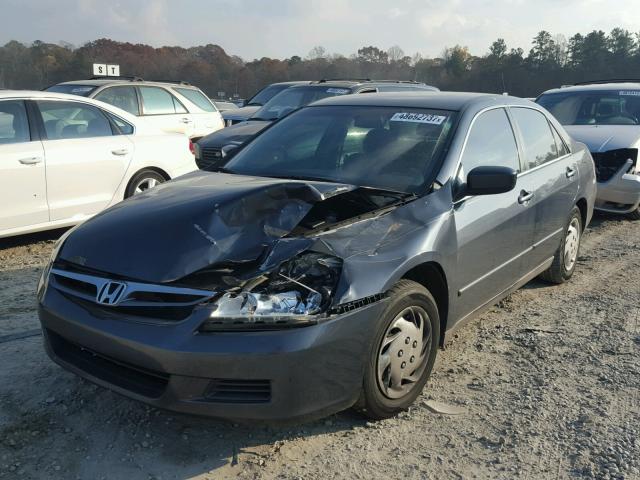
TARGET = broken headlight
x,y
293,295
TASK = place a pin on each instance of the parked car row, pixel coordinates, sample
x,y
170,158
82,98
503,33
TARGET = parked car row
x,y
328,245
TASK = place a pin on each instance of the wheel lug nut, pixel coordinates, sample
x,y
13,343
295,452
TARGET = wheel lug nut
x,y
407,340
400,353
404,364
412,359
415,343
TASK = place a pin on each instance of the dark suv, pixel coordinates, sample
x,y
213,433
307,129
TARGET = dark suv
x,y
328,263
216,149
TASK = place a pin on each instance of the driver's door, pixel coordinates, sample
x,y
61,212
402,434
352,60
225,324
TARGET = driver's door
x,y
494,232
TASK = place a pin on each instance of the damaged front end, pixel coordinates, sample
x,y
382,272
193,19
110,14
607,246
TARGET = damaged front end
x,y
295,294
612,162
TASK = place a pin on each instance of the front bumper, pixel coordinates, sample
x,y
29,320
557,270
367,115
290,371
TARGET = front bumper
x,y
276,375
620,194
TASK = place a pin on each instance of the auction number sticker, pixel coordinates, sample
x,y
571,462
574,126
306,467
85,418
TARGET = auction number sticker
x,y
635,93
418,118
338,91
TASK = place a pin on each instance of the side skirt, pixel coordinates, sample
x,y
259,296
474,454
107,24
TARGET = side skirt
x,y
486,306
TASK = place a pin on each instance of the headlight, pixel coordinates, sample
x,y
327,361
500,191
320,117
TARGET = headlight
x,y
296,294
43,283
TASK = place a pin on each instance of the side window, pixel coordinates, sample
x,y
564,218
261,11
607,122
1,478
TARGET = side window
x,y
539,143
158,101
197,98
14,126
491,142
73,120
125,98
560,145
121,127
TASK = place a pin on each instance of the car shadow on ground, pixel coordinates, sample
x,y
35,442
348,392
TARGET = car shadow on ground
x,y
31,238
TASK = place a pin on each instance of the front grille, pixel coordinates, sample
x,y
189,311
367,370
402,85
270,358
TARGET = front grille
x,y
238,391
210,157
609,163
152,301
141,381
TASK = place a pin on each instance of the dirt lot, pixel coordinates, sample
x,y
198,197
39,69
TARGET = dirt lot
x,y
546,386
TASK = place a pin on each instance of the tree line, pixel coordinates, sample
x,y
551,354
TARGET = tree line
x,y
550,62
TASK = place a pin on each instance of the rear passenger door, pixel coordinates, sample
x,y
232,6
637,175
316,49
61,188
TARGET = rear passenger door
x,y
550,177
86,160
165,111
23,189
493,231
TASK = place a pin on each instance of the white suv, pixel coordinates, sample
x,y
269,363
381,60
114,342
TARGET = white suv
x,y
175,107
65,158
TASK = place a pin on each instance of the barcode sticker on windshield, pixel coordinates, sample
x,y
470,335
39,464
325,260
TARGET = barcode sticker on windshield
x,y
418,118
635,93
339,91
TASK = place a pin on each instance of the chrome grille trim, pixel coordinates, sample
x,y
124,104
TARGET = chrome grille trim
x,y
127,299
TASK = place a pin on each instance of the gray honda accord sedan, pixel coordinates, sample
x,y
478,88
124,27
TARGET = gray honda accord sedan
x,y
326,263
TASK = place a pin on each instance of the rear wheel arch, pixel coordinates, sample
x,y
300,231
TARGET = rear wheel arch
x,y
432,277
157,170
582,205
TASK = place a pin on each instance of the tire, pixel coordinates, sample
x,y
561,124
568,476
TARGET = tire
x,y
635,215
142,181
379,398
566,256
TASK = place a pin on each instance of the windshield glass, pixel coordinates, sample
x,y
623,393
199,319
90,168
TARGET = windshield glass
x,y
596,107
266,94
294,98
388,148
81,90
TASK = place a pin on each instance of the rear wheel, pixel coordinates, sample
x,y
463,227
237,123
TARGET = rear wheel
x,y
566,256
143,181
403,353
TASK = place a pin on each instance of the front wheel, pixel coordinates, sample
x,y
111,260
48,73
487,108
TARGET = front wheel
x,y
566,256
635,215
143,181
403,352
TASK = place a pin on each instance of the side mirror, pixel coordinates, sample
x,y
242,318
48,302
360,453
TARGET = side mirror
x,y
490,180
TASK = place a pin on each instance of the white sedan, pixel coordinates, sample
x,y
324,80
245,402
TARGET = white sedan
x,y
65,158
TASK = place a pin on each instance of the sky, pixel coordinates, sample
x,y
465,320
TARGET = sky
x,y
282,28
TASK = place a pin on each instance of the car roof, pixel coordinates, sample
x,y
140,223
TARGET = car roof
x,y
597,86
456,101
351,83
99,82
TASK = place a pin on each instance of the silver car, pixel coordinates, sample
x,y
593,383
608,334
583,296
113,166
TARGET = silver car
x,y
606,117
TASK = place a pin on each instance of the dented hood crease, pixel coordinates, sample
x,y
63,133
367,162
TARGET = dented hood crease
x,y
197,221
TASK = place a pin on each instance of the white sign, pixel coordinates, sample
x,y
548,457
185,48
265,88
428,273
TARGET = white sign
x,y
418,118
105,70
221,94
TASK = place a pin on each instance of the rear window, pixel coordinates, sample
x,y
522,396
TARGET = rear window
x,y
596,107
158,101
81,90
197,98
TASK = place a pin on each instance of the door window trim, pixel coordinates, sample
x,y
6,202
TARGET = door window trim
x,y
40,120
135,92
466,140
520,139
175,99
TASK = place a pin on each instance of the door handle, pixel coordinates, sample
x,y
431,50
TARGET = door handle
x,y
570,172
524,197
30,160
120,152
186,120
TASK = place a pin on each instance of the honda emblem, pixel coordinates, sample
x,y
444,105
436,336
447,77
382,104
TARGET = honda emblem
x,y
111,293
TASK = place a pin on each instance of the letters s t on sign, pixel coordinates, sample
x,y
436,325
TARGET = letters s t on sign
x,y
105,70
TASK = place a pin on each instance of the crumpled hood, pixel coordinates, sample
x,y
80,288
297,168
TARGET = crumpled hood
x,y
198,220
602,138
237,134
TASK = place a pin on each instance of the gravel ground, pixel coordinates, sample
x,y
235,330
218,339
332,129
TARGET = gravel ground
x,y
544,386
